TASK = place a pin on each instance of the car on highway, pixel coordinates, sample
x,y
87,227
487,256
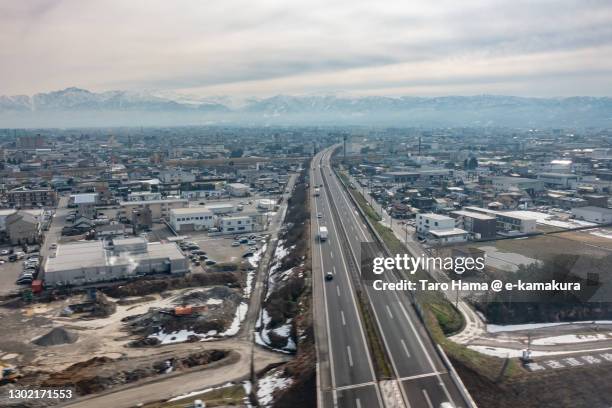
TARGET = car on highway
x,y
52,247
319,215
329,276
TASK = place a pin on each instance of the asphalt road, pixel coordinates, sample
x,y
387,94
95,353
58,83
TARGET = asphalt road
x,y
424,379
347,377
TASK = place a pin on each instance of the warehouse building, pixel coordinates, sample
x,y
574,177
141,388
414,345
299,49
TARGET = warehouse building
x,y
94,262
599,215
191,219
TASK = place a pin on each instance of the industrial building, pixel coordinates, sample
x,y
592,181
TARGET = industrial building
x,y
237,189
599,215
191,219
94,262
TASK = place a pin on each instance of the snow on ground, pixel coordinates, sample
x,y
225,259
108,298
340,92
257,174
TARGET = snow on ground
x,y
569,339
195,393
514,353
213,301
248,387
495,328
254,260
602,234
241,312
174,337
248,288
268,384
183,335
262,337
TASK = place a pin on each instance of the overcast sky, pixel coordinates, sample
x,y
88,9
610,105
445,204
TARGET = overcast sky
x,y
263,48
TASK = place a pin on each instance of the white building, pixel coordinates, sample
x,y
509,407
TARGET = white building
x,y
447,236
85,204
176,176
236,224
599,215
509,221
503,183
92,262
221,208
431,221
237,189
144,196
191,219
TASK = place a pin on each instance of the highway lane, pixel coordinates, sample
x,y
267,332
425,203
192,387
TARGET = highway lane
x,y
352,378
425,381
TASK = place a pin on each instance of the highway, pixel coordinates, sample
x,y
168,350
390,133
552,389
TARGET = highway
x,y
421,377
347,377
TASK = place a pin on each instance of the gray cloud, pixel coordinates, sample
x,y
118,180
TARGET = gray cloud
x,y
238,47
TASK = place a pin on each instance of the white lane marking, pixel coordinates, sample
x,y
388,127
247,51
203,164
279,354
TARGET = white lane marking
x,y
358,403
343,319
353,386
389,311
350,356
334,269
338,290
331,253
405,348
415,377
427,398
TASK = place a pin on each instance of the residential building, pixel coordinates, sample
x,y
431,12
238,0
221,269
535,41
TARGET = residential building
x,y
23,197
160,209
431,221
236,224
482,226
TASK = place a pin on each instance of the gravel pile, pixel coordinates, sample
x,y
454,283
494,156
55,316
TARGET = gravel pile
x,y
55,337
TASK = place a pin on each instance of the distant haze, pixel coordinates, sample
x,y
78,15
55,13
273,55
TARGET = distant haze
x,y
239,49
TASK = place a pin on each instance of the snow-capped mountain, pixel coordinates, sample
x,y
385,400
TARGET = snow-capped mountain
x,y
75,106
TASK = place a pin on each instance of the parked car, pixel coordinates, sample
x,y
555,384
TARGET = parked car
x,y
236,244
210,262
248,254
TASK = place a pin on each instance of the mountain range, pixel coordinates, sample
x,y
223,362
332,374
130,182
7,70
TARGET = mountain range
x,y
80,107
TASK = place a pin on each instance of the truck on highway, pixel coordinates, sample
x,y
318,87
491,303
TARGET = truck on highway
x,y
323,234
317,191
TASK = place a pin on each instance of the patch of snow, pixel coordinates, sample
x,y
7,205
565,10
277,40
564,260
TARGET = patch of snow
x,y
254,260
515,353
194,393
569,339
270,383
213,301
241,312
495,328
174,337
248,288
